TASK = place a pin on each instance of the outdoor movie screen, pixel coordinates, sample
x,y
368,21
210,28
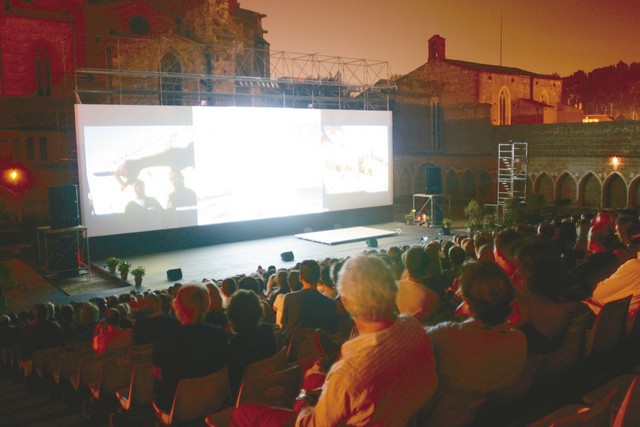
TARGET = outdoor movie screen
x,y
146,168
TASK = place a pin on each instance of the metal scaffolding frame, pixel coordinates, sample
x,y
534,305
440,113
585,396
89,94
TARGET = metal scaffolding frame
x,y
512,174
279,79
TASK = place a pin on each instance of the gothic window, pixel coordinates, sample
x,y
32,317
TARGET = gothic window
x,y
170,86
436,120
30,149
44,151
544,97
505,107
43,72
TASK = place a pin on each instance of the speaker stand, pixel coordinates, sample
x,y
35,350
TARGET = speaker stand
x,y
432,203
57,245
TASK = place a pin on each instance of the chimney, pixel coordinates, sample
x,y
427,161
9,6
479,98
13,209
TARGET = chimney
x,y
436,48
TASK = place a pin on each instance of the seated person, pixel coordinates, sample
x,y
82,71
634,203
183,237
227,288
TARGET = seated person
x,y
152,321
108,335
482,353
386,373
251,340
308,308
40,332
190,350
414,297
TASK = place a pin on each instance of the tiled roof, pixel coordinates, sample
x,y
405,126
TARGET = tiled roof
x,y
497,69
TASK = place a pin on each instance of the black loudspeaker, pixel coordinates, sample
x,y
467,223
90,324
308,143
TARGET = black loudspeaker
x,y
174,274
433,180
63,206
372,242
287,256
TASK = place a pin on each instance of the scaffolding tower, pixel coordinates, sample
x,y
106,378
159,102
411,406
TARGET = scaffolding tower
x,y
512,173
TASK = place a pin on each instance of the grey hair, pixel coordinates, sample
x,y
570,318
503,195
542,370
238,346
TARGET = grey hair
x,y
368,285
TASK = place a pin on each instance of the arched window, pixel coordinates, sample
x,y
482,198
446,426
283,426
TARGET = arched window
x,y
505,107
43,72
170,87
544,97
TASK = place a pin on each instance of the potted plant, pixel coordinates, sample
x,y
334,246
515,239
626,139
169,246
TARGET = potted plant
x,y
123,268
138,273
112,263
473,212
410,216
446,226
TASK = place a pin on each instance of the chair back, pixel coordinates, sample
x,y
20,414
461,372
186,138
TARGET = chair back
x,y
140,388
571,353
451,408
609,329
299,336
198,397
263,367
629,413
596,416
277,389
114,375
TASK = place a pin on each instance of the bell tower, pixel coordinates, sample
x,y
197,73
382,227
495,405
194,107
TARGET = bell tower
x,y
436,48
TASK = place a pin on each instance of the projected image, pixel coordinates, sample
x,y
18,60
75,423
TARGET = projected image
x,y
356,159
143,172
148,168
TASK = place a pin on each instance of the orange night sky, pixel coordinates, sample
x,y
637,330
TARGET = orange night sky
x,y
543,36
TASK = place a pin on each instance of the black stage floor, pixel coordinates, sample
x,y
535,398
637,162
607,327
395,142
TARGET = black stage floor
x,y
215,262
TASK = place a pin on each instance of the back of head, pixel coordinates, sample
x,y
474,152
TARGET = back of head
x,y
293,281
112,316
40,312
249,283
215,299
506,243
310,271
244,312
368,288
152,304
540,265
457,256
488,291
602,237
191,303
228,287
417,262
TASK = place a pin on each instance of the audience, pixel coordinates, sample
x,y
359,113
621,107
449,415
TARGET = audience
x,y
192,349
414,298
373,383
108,335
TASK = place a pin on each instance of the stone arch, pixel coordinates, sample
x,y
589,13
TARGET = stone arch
x,y
486,189
403,183
590,191
469,185
504,106
170,87
452,183
566,187
543,185
614,192
634,193
529,184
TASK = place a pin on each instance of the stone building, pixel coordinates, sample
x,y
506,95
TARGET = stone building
x,y
451,115
55,53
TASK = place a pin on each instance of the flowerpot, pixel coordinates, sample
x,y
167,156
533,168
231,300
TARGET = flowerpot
x,y
446,231
138,281
112,270
124,276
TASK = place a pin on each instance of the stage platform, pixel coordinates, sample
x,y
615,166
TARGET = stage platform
x,y
217,262
346,235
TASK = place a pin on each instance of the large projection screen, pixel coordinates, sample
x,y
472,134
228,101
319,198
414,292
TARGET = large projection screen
x,y
145,168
